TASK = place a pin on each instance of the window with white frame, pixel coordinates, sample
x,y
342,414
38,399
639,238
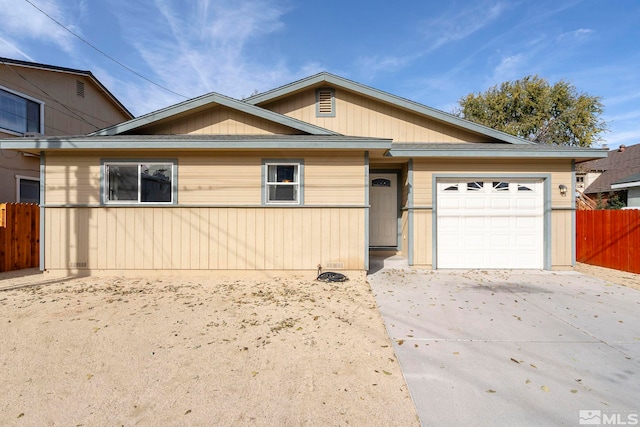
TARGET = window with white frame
x,y
282,183
139,182
20,114
27,189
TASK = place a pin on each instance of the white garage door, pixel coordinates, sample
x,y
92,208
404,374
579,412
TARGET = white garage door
x,y
490,224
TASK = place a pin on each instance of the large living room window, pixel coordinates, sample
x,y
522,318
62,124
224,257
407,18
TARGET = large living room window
x,y
282,183
139,182
20,114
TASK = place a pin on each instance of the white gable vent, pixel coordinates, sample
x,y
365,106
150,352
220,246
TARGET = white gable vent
x,y
325,103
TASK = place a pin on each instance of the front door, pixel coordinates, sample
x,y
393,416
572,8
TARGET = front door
x,y
383,218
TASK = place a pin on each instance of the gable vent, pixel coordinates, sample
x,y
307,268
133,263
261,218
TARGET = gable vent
x,y
80,88
325,102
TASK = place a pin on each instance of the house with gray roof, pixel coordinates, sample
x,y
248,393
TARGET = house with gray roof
x,y
321,173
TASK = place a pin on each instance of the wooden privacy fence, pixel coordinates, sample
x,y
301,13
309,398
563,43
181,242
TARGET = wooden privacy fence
x,y
609,238
19,236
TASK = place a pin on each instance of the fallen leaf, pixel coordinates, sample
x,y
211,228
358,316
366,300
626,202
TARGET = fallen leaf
x,y
400,342
491,391
514,360
188,411
21,414
533,366
574,391
456,352
545,388
527,382
386,373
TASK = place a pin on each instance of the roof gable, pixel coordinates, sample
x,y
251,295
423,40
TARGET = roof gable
x,y
201,103
325,78
71,71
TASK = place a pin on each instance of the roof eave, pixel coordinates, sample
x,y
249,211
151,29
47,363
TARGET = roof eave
x,y
208,144
577,154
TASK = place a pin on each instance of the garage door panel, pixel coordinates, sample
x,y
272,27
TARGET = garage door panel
x,y
490,224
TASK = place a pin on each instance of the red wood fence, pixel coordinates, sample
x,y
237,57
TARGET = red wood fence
x,y
19,236
609,238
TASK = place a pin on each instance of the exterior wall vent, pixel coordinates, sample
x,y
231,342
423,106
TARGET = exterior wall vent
x,y
80,88
336,265
325,103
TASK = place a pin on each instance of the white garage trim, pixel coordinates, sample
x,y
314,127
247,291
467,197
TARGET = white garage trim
x,y
546,200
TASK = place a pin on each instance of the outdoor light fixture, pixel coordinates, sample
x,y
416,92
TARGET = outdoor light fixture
x,y
563,190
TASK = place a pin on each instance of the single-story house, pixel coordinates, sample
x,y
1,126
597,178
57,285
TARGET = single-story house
x,y
320,172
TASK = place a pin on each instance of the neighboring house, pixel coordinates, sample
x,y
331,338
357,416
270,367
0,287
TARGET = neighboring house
x,y
321,172
631,185
596,178
38,99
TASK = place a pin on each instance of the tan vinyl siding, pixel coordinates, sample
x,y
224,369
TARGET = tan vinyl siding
x,y
334,180
561,238
223,179
72,179
214,178
204,238
357,115
219,120
423,237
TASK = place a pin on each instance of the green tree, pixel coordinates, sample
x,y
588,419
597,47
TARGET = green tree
x,y
614,202
533,109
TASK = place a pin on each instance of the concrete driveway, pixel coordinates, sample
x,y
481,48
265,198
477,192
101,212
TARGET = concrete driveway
x,y
514,347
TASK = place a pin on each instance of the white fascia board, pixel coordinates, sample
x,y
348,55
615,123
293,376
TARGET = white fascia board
x,y
625,185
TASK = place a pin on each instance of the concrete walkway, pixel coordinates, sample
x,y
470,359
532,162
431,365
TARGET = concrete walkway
x,y
514,347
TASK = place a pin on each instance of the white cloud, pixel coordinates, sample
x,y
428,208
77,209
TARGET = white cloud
x,y
9,50
21,22
462,23
510,68
577,35
629,137
198,47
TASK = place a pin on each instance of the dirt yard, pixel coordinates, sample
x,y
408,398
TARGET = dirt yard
x,y
630,280
87,352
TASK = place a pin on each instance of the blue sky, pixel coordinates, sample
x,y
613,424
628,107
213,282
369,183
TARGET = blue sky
x,y
432,52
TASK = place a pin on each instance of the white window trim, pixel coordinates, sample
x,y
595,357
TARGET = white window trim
x,y
299,183
25,178
30,98
104,185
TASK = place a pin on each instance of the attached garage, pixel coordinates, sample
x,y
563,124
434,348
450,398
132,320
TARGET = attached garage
x,y
490,223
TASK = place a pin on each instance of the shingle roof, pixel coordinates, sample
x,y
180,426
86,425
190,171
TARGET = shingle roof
x,y
629,179
618,165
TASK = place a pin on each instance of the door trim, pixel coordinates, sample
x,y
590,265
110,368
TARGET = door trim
x,y
398,174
